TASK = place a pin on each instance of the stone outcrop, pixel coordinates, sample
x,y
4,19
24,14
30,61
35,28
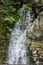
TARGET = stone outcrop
x,y
37,6
35,39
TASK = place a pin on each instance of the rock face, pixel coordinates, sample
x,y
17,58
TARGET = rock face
x,y
37,6
38,24
35,39
37,27
35,1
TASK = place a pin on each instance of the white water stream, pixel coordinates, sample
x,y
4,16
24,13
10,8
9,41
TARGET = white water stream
x,y
17,51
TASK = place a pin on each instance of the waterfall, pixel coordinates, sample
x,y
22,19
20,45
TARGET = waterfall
x,y
17,51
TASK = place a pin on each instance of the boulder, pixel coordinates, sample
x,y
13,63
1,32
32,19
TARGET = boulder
x,y
36,28
35,39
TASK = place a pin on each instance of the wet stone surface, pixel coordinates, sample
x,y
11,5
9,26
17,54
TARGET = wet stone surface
x,y
35,40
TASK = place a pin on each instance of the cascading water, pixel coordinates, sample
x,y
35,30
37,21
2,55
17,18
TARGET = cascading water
x,y
17,51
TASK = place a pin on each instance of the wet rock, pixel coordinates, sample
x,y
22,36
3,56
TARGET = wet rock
x,y
35,1
36,28
36,39
37,6
38,25
40,59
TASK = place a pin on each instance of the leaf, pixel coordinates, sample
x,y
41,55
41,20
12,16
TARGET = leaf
x,y
28,6
10,29
20,11
15,3
11,9
10,19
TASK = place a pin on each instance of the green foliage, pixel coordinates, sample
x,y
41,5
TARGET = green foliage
x,y
9,28
9,19
41,1
20,11
10,9
9,12
29,6
9,2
